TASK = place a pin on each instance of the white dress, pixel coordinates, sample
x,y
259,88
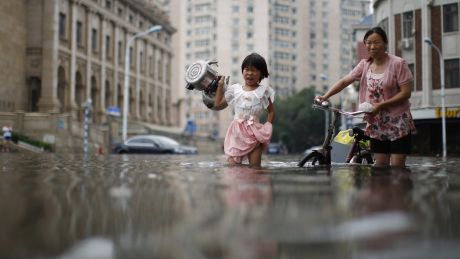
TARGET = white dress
x,y
245,131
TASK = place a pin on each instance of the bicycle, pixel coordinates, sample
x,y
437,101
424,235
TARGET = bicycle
x,y
357,154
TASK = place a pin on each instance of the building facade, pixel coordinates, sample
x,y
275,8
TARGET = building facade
x,y
408,25
329,50
303,45
74,50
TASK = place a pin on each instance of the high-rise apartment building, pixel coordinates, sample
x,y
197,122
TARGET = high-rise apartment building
x,y
305,43
330,26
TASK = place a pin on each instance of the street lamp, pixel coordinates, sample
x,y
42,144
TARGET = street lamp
x,y
443,106
126,86
326,114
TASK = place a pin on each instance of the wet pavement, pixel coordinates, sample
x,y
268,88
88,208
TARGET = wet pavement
x,y
126,206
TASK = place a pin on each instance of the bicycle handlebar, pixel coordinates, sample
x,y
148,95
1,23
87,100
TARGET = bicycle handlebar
x,y
325,106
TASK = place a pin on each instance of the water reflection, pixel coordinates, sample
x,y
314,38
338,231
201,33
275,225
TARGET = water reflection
x,y
62,206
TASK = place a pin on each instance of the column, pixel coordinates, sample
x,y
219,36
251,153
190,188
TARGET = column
x,y
88,53
48,99
73,58
103,78
427,87
137,45
115,65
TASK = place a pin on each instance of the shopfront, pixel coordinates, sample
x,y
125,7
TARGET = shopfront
x,y
428,140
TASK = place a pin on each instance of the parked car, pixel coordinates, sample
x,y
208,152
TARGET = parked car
x,y
309,150
276,148
152,144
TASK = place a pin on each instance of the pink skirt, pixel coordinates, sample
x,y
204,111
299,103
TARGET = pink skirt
x,y
244,136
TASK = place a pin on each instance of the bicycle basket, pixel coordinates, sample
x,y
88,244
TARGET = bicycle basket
x,y
344,137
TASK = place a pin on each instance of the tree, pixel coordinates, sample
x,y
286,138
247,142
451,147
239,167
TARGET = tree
x,y
297,124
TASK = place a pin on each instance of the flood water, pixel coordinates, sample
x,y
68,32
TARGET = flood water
x,y
126,206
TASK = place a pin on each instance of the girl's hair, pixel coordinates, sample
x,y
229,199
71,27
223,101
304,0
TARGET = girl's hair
x,y
258,62
379,31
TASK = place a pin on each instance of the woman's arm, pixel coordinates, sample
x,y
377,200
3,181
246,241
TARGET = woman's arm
x,y
271,111
219,100
404,94
336,88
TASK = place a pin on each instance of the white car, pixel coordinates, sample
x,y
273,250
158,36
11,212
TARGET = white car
x,y
153,144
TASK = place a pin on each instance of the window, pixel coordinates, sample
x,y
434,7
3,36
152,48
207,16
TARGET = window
x,y
108,51
131,59
141,61
452,72
94,39
120,52
450,16
151,65
62,26
408,21
79,33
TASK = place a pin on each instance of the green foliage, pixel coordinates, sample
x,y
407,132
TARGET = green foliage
x,y
297,124
37,143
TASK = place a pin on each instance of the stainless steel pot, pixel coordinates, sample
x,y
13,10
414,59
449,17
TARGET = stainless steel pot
x,y
202,77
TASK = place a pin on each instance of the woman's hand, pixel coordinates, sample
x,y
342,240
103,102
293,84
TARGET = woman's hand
x,y
377,108
319,99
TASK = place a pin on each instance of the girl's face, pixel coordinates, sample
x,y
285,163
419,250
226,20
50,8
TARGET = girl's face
x,y
375,45
251,76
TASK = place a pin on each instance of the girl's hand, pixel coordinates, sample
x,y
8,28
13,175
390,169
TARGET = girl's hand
x,y
221,81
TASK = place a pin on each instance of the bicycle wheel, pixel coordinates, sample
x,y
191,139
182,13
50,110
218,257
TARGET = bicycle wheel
x,y
363,159
314,158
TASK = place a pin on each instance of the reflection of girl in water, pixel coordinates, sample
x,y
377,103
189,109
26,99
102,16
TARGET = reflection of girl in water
x,y
247,186
248,195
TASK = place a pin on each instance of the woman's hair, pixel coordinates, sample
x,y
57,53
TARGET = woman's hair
x,y
256,61
379,31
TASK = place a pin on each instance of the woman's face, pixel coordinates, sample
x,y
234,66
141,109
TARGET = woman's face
x,y
251,76
375,45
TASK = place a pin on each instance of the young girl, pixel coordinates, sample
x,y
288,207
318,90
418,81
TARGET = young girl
x,y
246,137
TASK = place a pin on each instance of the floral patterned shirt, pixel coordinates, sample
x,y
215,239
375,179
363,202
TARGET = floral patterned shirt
x,y
385,125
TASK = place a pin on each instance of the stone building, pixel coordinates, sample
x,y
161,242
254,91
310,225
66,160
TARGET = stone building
x,y
57,54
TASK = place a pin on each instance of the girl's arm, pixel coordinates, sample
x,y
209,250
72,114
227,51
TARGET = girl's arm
x,y
219,100
271,111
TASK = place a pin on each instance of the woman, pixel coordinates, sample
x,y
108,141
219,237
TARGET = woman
x,y
385,83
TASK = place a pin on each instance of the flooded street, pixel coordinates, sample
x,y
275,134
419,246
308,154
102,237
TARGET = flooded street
x,y
127,206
